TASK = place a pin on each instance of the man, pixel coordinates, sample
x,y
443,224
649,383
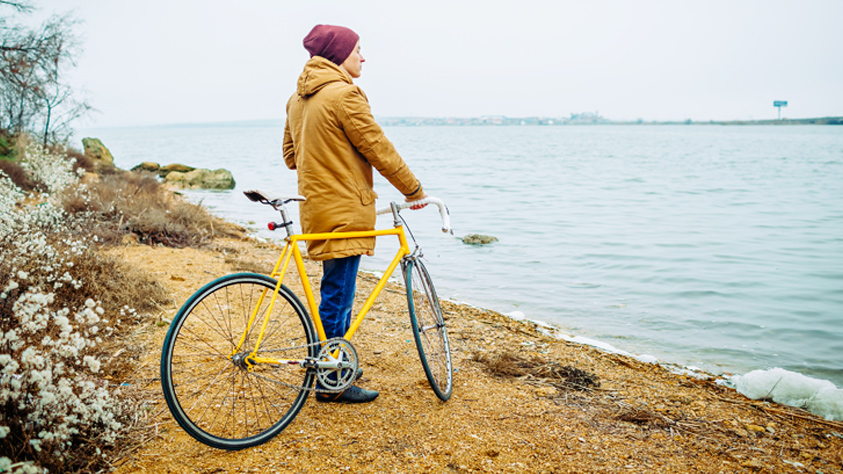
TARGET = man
x,y
332,140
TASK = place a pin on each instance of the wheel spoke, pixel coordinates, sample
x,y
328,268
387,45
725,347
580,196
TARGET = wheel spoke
x,y
209,390
429,328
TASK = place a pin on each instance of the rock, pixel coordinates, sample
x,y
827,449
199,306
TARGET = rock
x,y
201,178
478,239
147,166
90,179
181,176
164,170
96,151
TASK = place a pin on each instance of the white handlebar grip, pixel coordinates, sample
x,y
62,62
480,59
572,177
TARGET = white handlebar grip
x,y
443,210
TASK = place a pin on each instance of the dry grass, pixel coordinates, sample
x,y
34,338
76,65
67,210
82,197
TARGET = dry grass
x,y
82,160
114,284
122,203
535,370
246,261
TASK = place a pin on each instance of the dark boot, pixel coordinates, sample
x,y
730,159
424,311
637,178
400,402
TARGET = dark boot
x,y
350,395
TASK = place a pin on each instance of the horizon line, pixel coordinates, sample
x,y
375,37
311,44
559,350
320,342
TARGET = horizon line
x,y
572,119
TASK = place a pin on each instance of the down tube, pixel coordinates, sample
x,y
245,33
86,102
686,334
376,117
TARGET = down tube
x,y
402,252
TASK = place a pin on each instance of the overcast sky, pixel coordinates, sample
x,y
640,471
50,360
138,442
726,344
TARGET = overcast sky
x,y
174,61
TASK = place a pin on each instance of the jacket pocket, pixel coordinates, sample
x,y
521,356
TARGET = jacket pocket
x,y
367,196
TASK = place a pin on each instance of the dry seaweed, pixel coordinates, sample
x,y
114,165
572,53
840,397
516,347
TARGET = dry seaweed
x,y
537,370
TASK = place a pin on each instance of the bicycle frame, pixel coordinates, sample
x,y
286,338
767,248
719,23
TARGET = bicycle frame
x,y
293,252
235,372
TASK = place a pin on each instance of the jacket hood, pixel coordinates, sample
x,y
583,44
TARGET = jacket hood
x,y
318,73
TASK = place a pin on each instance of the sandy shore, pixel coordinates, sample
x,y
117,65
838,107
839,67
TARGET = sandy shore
x,y
641,417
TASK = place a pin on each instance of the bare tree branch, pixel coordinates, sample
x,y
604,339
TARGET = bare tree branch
x,y
33,96
21,7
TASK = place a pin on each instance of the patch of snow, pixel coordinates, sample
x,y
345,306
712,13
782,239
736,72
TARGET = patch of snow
x,y
820,397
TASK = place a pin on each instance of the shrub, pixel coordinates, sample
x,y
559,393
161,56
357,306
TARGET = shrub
x,y
13,169
19,176
121,203
7,145
80,160
54,170
61,305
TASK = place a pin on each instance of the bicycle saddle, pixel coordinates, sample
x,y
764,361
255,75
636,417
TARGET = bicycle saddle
x,y
257,195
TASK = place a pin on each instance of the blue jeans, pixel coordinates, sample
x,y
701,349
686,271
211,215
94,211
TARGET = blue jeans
x,y
339,282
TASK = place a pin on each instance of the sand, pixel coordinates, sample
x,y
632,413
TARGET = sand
x,y
641,418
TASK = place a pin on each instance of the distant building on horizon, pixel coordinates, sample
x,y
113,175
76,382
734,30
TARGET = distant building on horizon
x,y
492,120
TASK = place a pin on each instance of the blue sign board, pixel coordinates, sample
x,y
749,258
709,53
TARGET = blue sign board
x,y
780,103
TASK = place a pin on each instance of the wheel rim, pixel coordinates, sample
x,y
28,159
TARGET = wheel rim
x,y
430,332
222,396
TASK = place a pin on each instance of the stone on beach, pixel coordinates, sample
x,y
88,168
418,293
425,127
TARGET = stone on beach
x,y
95,150
164,170
187,177
201,179
478,239
150,166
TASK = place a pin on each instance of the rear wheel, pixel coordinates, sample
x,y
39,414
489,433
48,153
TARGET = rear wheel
x,y
429,328
219,397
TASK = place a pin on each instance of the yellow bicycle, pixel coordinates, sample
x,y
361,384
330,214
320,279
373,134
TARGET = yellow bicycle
x,y
242,354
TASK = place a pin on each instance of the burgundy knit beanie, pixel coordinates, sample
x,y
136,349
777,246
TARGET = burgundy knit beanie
x,y
334,43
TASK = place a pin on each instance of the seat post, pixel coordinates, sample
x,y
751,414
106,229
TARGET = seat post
x,y
285,221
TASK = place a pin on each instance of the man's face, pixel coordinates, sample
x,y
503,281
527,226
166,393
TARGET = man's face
x,y
353,65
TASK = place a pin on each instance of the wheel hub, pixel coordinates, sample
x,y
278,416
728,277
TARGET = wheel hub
x,y
241,360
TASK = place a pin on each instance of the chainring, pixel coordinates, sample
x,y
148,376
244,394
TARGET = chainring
x,y
342,356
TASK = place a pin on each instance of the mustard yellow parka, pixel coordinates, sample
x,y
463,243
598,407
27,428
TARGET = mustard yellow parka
x,y
332,141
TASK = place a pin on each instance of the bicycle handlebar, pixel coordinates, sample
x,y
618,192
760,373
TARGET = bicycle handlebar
x,y
443,210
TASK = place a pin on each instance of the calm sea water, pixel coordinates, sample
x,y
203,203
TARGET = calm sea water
x,y
716,247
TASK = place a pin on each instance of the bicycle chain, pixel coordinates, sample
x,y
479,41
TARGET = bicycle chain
x,y
301,387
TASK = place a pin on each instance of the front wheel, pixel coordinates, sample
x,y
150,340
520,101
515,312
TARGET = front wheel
x,y
212,388
429,328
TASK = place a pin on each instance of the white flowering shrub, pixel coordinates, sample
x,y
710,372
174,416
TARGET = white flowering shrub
x,y
58,411
50,395
55,171
10,195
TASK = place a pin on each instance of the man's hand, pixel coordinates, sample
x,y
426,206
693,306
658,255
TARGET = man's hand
x,y
417,206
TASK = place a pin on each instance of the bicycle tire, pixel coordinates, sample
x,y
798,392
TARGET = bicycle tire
x,y
429,328
217,401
